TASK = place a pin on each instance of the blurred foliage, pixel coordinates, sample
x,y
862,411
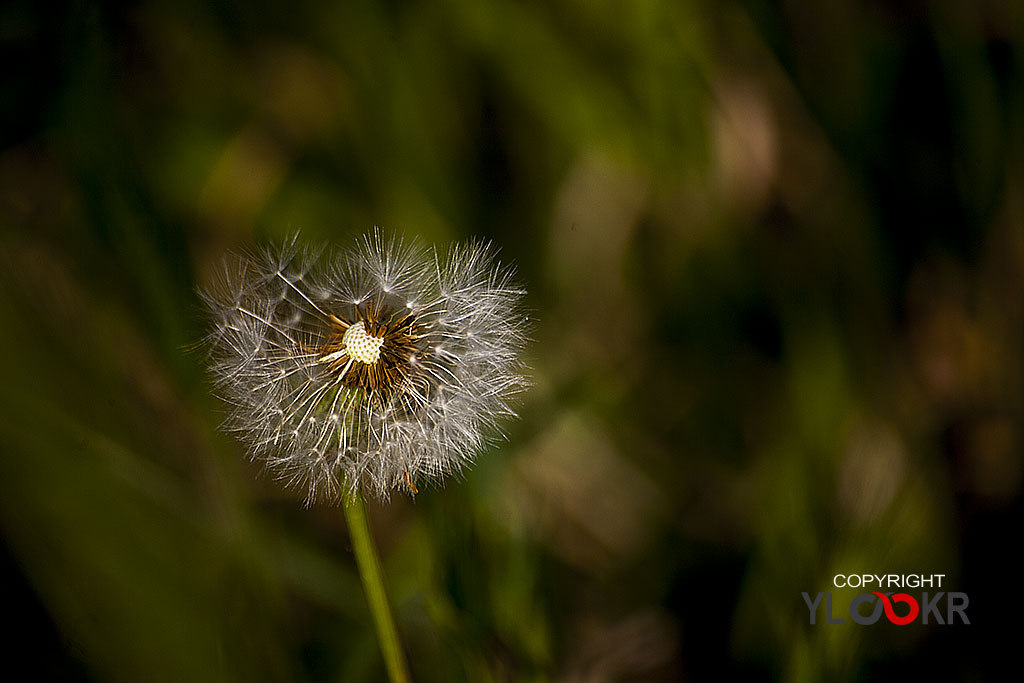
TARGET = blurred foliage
x,y
776,256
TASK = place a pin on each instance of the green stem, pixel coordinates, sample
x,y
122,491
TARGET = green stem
x,y
373,583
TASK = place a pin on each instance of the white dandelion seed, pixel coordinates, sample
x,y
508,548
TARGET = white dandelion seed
x,y
378,368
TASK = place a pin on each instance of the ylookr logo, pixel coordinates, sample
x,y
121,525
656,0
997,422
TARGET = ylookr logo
x,y
932,607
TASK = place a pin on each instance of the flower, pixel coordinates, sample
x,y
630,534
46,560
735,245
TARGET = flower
x,y
381,367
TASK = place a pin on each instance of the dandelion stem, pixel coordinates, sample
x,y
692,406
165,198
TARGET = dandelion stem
x,y
373,584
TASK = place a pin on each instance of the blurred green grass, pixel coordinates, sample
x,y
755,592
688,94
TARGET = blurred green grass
x,y
774,254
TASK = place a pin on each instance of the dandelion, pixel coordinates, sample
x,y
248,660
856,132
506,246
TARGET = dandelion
x,y
378,369
375,369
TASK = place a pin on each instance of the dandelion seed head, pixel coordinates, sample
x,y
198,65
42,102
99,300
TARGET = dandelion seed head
x,y
381,367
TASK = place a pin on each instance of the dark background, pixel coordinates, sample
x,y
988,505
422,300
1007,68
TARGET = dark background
x,y
775,253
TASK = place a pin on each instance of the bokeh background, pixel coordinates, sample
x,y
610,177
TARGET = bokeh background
x,y
775,255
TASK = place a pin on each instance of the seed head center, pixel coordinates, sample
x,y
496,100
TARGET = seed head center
x,y
360,345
